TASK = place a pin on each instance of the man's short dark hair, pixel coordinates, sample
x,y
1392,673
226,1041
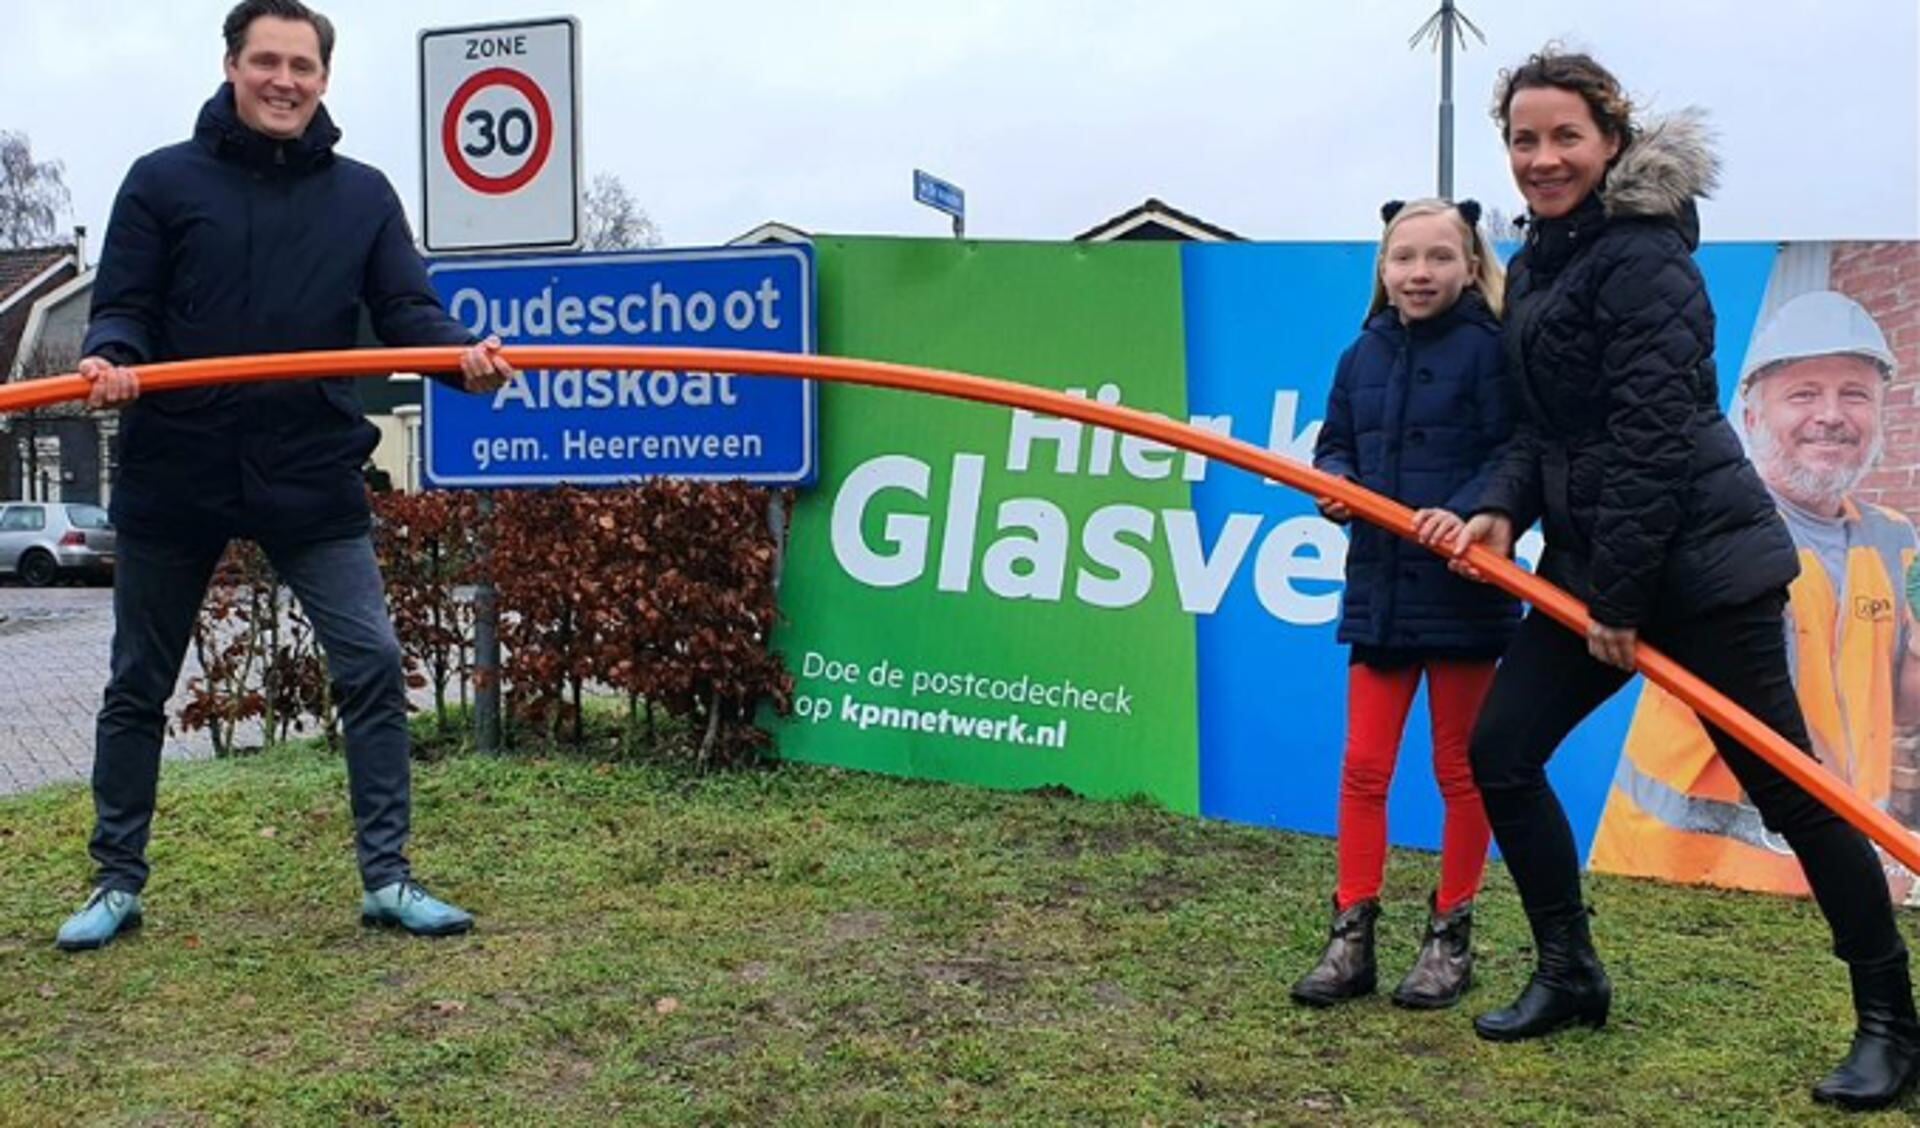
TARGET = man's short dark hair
x,y
247,11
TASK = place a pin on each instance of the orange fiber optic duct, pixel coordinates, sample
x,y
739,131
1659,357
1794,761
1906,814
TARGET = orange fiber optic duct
x,y
1390,515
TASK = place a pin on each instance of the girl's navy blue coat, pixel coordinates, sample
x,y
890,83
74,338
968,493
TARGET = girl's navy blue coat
x,y
1416,414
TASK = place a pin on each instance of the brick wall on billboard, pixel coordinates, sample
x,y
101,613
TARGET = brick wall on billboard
x,y
1885,278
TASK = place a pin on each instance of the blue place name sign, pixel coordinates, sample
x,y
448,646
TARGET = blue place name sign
x,y
608,426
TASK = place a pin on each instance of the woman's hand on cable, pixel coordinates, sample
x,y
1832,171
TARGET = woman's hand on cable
x,y
1437,527
1494,531
1612,645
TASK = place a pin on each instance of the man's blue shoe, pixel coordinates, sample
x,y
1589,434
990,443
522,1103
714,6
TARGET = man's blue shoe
x,y
107,914
404,904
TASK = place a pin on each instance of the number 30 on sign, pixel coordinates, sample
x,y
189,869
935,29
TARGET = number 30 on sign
x,y
499,111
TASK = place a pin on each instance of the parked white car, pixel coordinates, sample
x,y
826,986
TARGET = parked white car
x,y
41,541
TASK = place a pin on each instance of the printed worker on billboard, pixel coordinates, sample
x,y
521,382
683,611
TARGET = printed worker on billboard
x,y
1811,395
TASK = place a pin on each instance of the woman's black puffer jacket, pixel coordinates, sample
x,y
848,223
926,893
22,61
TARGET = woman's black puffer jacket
x,y
1651,509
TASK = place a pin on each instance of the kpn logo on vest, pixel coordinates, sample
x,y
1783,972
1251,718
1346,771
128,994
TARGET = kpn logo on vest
x,y
1872,609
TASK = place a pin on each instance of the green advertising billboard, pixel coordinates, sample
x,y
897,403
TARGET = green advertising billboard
x,y
970,593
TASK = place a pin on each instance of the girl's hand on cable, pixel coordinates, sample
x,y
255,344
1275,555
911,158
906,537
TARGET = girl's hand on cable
x,y
1612,645
1332,510
1437,526
1494,530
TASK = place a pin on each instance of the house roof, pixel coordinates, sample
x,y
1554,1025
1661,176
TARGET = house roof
x,y
20,269
1142,221
77,288
25,274
772,231
1153,219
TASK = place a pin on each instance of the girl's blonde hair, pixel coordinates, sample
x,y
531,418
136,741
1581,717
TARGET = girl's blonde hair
x,y
1488,276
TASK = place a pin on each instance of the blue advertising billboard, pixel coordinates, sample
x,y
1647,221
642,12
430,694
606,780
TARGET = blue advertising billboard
x,y
1265,326
609,426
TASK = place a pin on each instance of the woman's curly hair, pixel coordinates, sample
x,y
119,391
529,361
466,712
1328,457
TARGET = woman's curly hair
x,y
1572,71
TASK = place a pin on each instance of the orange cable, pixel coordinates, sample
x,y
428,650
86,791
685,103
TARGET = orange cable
x,y
1390,515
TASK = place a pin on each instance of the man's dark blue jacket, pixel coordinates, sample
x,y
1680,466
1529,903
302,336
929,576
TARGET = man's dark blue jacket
x,y
1416,413
235,243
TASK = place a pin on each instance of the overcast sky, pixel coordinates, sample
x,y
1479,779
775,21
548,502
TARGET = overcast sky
x,y
1278,119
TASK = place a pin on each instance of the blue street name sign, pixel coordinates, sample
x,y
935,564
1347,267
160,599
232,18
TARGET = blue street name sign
x,y
939,195
608,426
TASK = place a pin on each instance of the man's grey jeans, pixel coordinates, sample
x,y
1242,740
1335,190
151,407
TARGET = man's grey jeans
x,y
157,591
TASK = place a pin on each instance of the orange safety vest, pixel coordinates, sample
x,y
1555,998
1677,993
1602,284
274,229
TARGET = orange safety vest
x,y
1676,812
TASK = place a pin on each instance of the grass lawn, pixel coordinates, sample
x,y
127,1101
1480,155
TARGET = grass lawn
x,y
804,945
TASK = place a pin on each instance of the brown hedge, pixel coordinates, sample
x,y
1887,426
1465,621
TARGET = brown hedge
x,y
662,593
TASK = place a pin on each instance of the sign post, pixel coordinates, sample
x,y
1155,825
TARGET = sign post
x,y
500,136
500,170
941,196
602,426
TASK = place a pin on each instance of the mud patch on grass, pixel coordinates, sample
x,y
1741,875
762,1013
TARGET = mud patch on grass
x,y
984,973
858,924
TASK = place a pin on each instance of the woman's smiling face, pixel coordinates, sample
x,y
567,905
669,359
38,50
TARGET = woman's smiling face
x,y
1557,151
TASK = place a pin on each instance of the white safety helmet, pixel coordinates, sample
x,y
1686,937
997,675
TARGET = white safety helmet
x,y
1822,323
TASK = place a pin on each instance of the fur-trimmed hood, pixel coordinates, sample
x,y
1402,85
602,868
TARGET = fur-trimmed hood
x,y
1670,162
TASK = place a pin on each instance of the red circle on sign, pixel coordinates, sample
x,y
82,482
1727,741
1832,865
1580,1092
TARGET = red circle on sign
x,y
450,131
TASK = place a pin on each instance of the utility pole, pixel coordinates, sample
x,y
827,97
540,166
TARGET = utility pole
x,y
1443,28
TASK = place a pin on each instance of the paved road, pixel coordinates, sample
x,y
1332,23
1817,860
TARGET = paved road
x,y
53,664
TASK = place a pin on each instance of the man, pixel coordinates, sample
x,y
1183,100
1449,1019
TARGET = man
x,y
1811,394
255,236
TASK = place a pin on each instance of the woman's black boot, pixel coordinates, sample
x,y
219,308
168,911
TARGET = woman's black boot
x,y
1568,988
1444,969
1885,1058
1346,969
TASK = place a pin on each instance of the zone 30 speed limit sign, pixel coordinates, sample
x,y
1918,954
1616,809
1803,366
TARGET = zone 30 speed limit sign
x,y
499,136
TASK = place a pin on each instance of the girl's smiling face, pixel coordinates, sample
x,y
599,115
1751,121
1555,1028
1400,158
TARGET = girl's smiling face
x,y
1425,265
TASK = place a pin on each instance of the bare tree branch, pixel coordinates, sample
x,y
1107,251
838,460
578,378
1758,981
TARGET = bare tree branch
x,y
33,194
1500,225
614,221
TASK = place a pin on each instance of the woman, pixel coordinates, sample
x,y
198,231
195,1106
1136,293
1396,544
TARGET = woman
x,y
1654,516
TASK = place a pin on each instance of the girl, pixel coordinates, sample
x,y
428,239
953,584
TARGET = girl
x,y
1654,516
1417,409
